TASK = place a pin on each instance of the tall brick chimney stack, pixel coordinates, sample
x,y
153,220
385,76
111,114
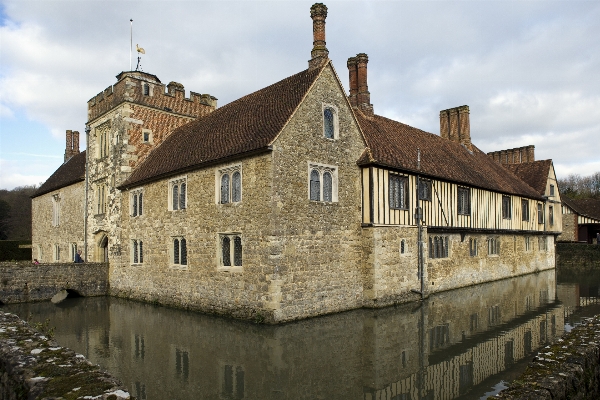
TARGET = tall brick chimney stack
x,y
519,155
353,71
319,53
72,145
363,96
455,125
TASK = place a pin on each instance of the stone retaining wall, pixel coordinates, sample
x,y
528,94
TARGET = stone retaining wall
x,y
22,281
577,256
33,366
568,369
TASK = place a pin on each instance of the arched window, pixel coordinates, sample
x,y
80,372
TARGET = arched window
x,y
183,252
315,185
176,251
226,249
135,252
175,197
329,124
327,186
135,205
225,188
141,252
237,251
402,246
182,189
236,187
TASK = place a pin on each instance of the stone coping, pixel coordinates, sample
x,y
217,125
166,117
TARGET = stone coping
x,y
567,369
33,366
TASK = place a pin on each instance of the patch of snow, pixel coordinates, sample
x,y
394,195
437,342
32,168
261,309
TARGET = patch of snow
x,y
76,389
36,351
79,356
54,348
120,393
37,379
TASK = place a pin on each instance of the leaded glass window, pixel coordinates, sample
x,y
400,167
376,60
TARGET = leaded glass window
x,y
315,185
237,251
397,192
183,252
328,120
327,186
141,251
182,189
175,197
135,252
135,205
176,251
225,188
140,202
236,187
226,249
464,201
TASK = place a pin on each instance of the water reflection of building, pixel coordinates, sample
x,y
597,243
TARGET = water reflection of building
x,y
439,350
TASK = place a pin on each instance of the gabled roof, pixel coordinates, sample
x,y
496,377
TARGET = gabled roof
x,y
242,127
394,144
535,173
584,207
71,172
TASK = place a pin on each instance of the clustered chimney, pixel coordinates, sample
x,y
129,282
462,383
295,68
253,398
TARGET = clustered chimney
x,y
72,147
518,155
319,53
359,90
455,126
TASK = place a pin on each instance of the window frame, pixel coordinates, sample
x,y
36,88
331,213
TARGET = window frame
x,y
103,140
552,190
493,245
56,253
438,247
524,210
506,207
322,169
181,255
231,240
230,171
473,248
101,197
541,216
425,189
136,202
177,182
56,210
551,215
401,203
136,252
463,207
335,127
148,133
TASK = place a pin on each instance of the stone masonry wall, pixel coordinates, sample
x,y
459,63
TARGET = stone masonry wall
x,y
32,366
69,230
316,247
22,281
202,284
569,232
460,269
390,275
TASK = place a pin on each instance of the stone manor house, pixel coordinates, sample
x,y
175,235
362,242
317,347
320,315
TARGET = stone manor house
x,y
294,201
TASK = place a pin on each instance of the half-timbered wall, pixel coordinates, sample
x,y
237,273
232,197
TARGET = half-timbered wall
x,y
442,211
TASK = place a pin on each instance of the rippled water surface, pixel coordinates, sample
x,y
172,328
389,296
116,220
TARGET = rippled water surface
x,y
462,344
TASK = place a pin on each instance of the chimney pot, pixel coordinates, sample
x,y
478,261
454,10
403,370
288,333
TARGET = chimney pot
x,y
352,70
319,53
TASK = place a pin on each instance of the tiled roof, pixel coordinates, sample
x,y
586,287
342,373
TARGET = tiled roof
x,y
243,126
584,207
395,145
535,173
71,172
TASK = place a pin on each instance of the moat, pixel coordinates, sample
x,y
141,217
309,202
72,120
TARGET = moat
x,y
461,344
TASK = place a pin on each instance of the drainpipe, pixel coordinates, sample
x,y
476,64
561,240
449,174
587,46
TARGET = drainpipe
x,y
85,201
419,218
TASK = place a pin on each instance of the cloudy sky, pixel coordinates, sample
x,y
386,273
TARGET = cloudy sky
x,y
529,70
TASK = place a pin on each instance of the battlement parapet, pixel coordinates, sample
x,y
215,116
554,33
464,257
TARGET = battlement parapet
x,y
146,89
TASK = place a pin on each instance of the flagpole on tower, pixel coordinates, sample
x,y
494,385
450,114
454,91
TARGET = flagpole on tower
x,y
130,42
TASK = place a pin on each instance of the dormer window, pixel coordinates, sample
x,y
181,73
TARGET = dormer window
x,y
330,122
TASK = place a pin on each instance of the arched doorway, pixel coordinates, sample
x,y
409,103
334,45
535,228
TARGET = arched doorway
x,y
101,253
